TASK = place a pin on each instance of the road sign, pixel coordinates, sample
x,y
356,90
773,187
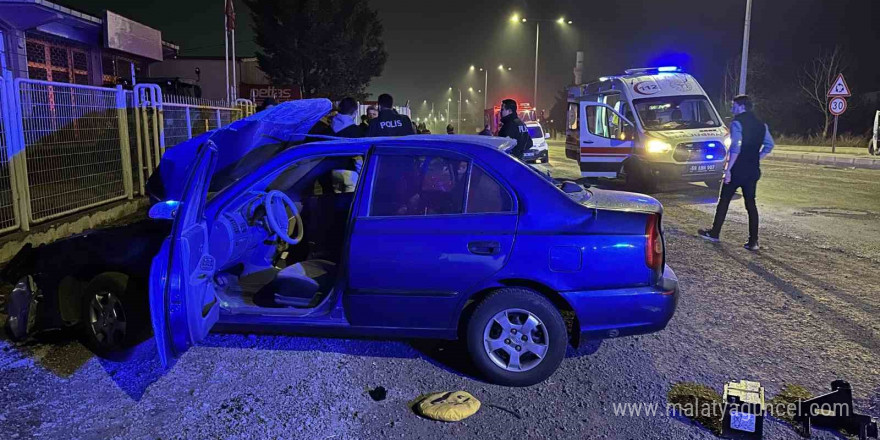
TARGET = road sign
x,y
837,106
839,88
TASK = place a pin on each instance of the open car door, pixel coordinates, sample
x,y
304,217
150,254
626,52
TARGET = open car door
x,y
606,140
183,304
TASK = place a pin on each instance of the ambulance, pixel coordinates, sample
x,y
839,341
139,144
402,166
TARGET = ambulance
x,y
646,126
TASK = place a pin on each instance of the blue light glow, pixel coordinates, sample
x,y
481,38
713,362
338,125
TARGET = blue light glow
x,y
668,69
710,156
712,144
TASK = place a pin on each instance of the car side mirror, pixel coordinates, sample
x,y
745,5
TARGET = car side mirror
x,y
546,135
166,210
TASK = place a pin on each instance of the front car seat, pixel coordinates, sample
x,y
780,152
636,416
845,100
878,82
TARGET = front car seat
x,y
301,284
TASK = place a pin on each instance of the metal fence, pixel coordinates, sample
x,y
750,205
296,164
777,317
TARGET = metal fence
x,y
65,148
8,207
186,117
75,147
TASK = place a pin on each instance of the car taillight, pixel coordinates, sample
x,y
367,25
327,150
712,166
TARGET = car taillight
x,y
654,245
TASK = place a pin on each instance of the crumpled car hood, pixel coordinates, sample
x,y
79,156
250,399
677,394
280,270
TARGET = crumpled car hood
x,y
285,123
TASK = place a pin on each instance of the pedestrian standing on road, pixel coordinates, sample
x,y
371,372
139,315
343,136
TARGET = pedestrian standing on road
x,y
514,128
450,129
389,122
343,123
750,141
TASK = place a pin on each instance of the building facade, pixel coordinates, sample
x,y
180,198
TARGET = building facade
x,y
44,41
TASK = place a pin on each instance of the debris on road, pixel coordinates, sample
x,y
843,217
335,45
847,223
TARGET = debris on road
x,y
378,393
447,406
743,411
835,410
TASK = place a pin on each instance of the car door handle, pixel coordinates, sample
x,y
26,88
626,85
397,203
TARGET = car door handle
x,y
484,247
586,142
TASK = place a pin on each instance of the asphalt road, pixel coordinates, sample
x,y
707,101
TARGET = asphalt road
x,y
804,310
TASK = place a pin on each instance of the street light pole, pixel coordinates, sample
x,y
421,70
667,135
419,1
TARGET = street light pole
x,y
486,89
458,124
744,64
537,42
516,18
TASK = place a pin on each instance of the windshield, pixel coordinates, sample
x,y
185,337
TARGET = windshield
x,y
535,131
676,113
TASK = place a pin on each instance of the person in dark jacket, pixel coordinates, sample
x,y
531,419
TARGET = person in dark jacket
x,y
267,104
514,128
750,141
486,131
450,129
343,123
389,122
422,129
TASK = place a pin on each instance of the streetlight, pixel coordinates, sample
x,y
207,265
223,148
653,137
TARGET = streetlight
x,y
514,18
745,55
485,89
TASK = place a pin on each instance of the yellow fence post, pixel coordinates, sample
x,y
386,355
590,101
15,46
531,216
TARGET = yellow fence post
x,y
124,144
136,112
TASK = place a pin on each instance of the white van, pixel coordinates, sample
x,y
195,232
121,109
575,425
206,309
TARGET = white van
x,y
648,125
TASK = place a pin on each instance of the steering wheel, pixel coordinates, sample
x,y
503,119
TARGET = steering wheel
x,y
277,204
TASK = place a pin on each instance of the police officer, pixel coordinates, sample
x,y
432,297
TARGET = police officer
x,y
750,142
389,122
514,128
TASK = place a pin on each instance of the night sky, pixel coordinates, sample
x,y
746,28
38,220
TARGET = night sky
x,y
432,44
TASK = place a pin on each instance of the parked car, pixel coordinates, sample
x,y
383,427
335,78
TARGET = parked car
x,y
438,237
539,152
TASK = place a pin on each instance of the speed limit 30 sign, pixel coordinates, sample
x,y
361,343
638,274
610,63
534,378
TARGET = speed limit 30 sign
x,y
837,106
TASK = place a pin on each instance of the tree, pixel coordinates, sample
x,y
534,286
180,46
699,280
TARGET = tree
x,y
761,82
817,77
773,90
329,48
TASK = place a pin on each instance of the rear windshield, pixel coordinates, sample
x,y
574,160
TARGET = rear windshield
x,y
535,132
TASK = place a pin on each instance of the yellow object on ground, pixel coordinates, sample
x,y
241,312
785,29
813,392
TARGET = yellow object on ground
x,y
447,406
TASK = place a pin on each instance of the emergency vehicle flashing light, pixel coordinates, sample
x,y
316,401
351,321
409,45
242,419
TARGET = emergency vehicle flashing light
x,y
650,70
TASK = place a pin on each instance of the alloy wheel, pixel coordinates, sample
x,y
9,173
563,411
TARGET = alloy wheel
x,y
516,340
107,320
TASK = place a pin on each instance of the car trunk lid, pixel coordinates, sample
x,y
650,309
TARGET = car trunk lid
x,y
621,201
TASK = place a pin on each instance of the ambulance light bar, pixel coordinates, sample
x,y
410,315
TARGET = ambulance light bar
x,y
660,69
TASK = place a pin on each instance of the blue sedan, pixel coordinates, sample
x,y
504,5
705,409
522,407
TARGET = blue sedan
x,y
419,237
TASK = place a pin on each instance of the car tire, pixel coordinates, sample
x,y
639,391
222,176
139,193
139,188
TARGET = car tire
x,y
515,361
112,317
713,184
638,179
